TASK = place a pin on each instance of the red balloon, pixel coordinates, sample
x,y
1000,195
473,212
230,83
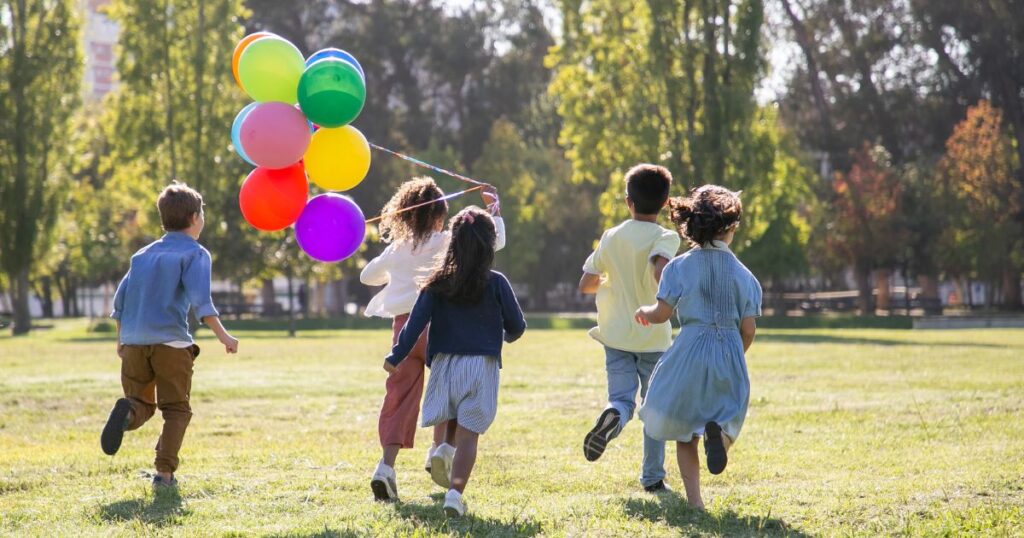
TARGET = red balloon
x,y
273,199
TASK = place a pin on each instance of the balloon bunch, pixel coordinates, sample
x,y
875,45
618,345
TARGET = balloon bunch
x,y
298,130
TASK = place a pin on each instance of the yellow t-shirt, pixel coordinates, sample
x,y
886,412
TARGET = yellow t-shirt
x,y
623,259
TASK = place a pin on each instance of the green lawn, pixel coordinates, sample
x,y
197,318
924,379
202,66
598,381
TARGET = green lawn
x,y
850,432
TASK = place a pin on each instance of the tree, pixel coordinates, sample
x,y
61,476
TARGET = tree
x,y
39,87
862,227
980,163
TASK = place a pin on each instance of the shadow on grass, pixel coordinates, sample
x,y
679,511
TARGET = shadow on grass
x,y
165,507
854,340
432,516
325,533
672,509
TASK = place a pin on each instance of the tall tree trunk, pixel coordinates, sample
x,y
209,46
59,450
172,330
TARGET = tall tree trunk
x,y
268,298
45,293
930,295
862,275
291,302
1011,289
22,321
882,285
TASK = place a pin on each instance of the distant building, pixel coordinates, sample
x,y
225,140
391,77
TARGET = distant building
x,y
99,37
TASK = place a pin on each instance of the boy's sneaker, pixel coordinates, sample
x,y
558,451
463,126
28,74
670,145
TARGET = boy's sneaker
x,y
714,448
453,505
441,465
430,455
117,422
159,483
604,430
384,483
658,487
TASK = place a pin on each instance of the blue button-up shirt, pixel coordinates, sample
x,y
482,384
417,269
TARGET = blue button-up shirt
x,y
164,278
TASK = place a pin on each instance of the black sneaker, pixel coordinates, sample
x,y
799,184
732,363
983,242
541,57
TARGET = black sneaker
x,y
160,484
714,448
117,422
657,487
597,439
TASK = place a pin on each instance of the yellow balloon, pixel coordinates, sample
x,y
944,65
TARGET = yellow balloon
x,y
338,159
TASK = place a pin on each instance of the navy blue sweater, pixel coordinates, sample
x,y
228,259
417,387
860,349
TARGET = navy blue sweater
x,y
476,329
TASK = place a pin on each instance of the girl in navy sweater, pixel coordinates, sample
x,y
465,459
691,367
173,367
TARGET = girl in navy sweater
x,y
471,310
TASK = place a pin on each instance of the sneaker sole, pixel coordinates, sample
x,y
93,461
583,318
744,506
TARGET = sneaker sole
x,y
714,448
381,491
113,432
439,472
597,439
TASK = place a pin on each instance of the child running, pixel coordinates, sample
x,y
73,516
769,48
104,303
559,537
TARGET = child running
x,y
624,272
470,310
415,238
157,353
700,386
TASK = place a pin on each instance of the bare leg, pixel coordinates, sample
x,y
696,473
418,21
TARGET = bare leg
x,y
391,454
450,429
465,457
689,468
440,433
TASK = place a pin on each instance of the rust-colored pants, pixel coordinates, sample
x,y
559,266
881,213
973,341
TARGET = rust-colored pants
x,y
403,391
159,376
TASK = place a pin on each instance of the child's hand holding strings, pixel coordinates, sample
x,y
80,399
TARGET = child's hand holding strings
x,y
489,194
641,317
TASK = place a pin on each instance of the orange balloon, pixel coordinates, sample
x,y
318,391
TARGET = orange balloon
x,y
272,200
239,49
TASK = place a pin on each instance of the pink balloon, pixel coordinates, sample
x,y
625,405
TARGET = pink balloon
x,y
275,135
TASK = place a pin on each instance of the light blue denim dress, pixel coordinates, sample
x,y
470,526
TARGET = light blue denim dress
x,y
703,375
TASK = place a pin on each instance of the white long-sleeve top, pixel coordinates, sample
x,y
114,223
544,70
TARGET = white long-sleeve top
x,y
400,269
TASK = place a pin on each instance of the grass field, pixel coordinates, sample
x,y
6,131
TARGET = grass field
x,y
850,432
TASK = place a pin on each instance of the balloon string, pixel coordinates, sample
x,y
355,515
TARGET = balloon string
x,y
410,208
428,166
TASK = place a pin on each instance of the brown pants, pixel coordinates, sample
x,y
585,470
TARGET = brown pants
x,y
159,376
403,391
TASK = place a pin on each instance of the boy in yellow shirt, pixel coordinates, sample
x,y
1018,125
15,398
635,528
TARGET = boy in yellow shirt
x,y
624,272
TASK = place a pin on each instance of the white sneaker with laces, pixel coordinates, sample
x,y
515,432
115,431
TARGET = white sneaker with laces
x,y
384,483
453,505
441,465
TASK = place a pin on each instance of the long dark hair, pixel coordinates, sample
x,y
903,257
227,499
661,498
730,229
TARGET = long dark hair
x,y
416,225
706,213
462,276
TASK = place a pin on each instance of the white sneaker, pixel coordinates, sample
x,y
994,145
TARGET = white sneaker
x,y
453,505
384,483
441,465
430,454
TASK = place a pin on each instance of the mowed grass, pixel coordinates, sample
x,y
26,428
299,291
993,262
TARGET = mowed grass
x,y
850,432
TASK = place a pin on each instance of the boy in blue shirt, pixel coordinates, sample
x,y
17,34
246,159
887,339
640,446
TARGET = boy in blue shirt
x,y
157,352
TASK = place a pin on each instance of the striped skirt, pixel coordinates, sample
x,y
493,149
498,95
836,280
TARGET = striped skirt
x,y
463,388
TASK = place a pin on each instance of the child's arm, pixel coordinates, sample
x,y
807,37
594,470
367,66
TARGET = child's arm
x,y
196,279
589,283
747,330
490,197
230,342
376,273
655,313
119,305
659,262
511,313
414,326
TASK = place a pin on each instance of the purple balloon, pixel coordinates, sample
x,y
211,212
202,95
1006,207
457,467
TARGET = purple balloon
x,y
331,227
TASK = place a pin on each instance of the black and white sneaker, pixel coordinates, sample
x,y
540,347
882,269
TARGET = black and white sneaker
x,y
604,430
658,487
384,483
714,448
117,422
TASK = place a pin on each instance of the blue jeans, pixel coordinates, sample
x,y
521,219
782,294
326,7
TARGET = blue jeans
x,y
627,373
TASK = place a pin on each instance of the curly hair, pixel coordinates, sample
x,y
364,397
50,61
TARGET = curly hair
x,y
418,224
462,276
706,213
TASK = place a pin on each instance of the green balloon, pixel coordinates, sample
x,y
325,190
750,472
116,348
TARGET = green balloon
x,y
331,93
270,69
